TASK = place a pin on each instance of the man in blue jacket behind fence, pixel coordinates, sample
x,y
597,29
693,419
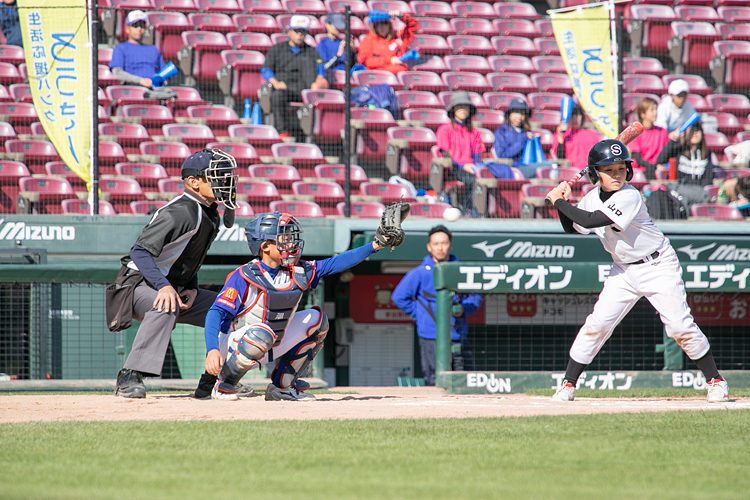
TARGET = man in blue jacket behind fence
x,y
416,296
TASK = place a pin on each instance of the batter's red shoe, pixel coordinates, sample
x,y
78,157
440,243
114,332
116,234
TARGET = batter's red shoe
x,y
566,392
718,390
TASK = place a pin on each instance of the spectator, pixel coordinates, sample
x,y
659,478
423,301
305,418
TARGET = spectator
x,y
165,260
290,68
332,49
511,137
572,142
694,167
9,23
461,142
674,109
646,147
737,191
382,48
416,296
132,62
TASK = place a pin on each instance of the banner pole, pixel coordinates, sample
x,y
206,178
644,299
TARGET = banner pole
x,y
615,60
620,80
93,36
347,114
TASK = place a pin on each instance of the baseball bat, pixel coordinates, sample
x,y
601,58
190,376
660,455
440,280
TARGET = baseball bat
x,y
690,122
626,137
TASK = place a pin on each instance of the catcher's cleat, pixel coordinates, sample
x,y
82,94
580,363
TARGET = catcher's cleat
x,y
224,391
244,391
274,393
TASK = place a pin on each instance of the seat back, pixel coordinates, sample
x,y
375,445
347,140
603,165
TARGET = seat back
x,y
479,27
389,193
429,210
475,82
431,45
474,9
474,64
549,64
146,207
244,154
514,46
470,44
516,10
207,21
362,209
304,209
501,100
259,42
374,77
716,212
82,207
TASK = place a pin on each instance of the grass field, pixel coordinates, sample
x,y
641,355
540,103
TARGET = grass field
x,y
675,455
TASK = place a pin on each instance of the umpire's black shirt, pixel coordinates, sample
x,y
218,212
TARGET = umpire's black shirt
x,y
178,237
298,71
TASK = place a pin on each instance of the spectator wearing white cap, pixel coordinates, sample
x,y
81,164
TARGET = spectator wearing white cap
x,y
290,68
674,109
133,62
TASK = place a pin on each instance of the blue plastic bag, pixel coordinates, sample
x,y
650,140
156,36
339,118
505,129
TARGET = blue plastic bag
x,y
381,96
529,153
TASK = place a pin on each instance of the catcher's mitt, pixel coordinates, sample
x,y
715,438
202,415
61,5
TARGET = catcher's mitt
x,y
390,234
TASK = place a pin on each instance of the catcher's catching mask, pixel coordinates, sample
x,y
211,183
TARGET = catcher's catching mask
x,y
284,229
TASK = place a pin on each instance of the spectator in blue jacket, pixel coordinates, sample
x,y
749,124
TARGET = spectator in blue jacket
x,y
511,137
332,49
416,296
134,63
9,23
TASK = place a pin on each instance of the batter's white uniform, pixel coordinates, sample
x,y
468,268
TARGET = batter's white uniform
x,y
631,239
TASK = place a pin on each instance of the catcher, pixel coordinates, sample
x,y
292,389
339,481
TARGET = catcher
x,y
254,320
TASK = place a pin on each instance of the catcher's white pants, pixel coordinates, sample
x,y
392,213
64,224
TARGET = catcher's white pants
x,y
660,281
301,326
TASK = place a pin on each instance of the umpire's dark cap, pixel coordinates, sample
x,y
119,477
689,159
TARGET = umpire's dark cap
x,y
196,164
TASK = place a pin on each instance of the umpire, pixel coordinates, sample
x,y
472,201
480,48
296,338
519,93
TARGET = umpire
x,y
165,260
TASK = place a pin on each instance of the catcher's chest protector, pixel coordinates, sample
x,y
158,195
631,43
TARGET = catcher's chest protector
x,y
273,306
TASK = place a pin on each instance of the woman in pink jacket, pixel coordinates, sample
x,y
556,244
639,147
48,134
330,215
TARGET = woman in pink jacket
x,y
571,142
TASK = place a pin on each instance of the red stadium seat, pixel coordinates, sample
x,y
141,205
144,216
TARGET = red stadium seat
x,y
421,80
478,10
547,46
206,21
697,13
388,193
303,156
323,115
311,7
516,27
546,118
10,173
357,7
696,39
326,194
412,161
432,118
645,84
552,82
255,23
146,207
474,64
478,27
728,124
737,104
302,209
35,152
262,6
262,137
129,135
564,174
652,28
428,210
431,45
698,102
240,75
51,191
149,115
643,66
259,42
124,95
120,189
432,9
244,154
110,153
218,117
417,99
734,32
362,209
511,82
20,115
259,193
194,135
282,176
82,207
388,5
512,64
474,82
546,100
226,6
696,83
476,99
357,174
186,97
5,95
716,212
545,27
7,132
148,175
514,46
374,77
716,142
489,118
549,64
513,10
169,154
59,168
629,100
176,5
470,45
734,13
731,64
500,100
12,54
371,138
200,56
171,186
434,26
106,78
243,210
37,129
430,63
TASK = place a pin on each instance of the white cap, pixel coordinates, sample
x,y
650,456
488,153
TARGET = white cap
x,y
678,86
134,16
299,22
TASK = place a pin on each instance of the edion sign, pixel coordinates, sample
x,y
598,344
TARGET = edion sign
x,y
21,231
491,383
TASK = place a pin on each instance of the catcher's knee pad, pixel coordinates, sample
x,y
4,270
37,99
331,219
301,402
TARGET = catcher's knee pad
x,y
295,361
251,348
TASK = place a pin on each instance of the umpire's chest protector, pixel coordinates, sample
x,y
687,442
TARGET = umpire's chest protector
x,y
272,305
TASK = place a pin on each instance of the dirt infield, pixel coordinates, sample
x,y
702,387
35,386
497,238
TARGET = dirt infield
x,y
349,403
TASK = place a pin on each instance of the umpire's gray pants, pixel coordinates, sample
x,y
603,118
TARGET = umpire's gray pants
x,y
152,339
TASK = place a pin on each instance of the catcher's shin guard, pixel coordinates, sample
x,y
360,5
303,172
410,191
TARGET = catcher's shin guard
x,y
298,358
251,348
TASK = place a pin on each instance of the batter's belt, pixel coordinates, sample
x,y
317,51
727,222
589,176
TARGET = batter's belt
x,y
645,259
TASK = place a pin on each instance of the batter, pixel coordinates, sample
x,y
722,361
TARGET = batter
x,y
644,265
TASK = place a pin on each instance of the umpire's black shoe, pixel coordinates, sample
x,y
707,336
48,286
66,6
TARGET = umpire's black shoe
x,y
130,384
205,386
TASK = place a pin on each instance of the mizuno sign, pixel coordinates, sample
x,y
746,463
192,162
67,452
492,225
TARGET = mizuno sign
x,y
23,231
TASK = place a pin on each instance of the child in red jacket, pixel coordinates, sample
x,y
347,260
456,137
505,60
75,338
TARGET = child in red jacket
x,y
381,48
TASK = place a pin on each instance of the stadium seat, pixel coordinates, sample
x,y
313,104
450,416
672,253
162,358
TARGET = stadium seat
x,y
489,118
50,191
432,9
146,207
258,193
82,207
691,45
474,64
5,95
546,100
309,7
434,26
283,22
428,210
259,42
176,5
734,32
357,7
106,78
205,21
244,154
511,82
362,209
195,136
417,99
477,27
388,193
149,115
432,118
170,155
697,13
110,154
35,152
326,194
644,84
476,99
125,95
165,29
303,156
122,190
322,115
357,174
629,100
516,27
730,66
7,132
698,103
59,168
474,82
20,115
389,5
10,173
716,142
552,82
564,174
243,210
12,54
218,117
476,10
171,187
421,80
186,97
254,23
548,119
226,6
262,137
545,27
734,13
696,83
148,175
650,29
371,138
549,64
302,209
500,100
514,46
200,55
282,176
129,135
408,153
728,124
737,104
470,45
643,66
512,64
262,6
431,45
516,10
374,77
547,46
716,212
37,130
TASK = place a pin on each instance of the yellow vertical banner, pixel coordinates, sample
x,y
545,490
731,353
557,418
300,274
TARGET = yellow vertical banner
x,y
584,39
58,62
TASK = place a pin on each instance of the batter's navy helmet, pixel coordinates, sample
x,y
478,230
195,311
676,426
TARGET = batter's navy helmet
x,y
284,229
605,153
